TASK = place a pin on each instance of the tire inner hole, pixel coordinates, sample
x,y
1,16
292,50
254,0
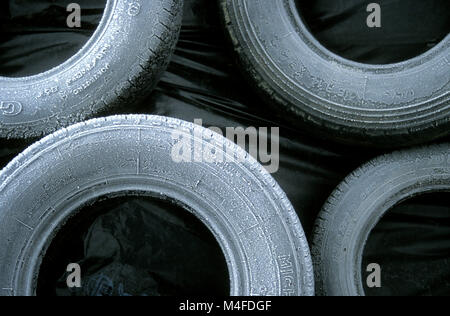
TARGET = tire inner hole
x,y
408,29
411,245
134,245
36,37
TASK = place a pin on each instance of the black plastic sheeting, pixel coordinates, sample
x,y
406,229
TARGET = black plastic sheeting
x,y
409,27
202,82
126,246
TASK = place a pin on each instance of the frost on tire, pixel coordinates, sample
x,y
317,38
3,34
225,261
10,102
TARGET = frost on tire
x,y
248,213
121,63
354,103
357,205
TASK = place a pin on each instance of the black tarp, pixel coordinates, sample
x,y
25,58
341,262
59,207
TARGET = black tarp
x,y
203,82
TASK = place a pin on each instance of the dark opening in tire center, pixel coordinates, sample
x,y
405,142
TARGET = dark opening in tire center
x,y
408,29
411,245
35,35
134,245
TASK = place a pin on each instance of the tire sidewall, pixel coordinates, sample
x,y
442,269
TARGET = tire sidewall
x,y
359,203
131,33
256,226
355,101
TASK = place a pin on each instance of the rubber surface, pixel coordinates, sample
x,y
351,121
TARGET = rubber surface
x,y
379,105
122,61
251,217
358,204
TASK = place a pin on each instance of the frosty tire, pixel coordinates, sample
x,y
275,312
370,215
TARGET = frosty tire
x,y
352,212
121,62
382,105
252,219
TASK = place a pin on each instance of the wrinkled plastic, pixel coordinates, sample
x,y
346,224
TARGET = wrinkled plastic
x,y
203,82
126,246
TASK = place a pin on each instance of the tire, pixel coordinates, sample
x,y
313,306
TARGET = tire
x,y
121,63
252,219
352,212
353,103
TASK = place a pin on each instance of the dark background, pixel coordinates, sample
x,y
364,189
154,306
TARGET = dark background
x,y
203,81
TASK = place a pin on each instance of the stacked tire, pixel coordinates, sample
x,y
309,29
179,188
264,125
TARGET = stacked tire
x,y
380,106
